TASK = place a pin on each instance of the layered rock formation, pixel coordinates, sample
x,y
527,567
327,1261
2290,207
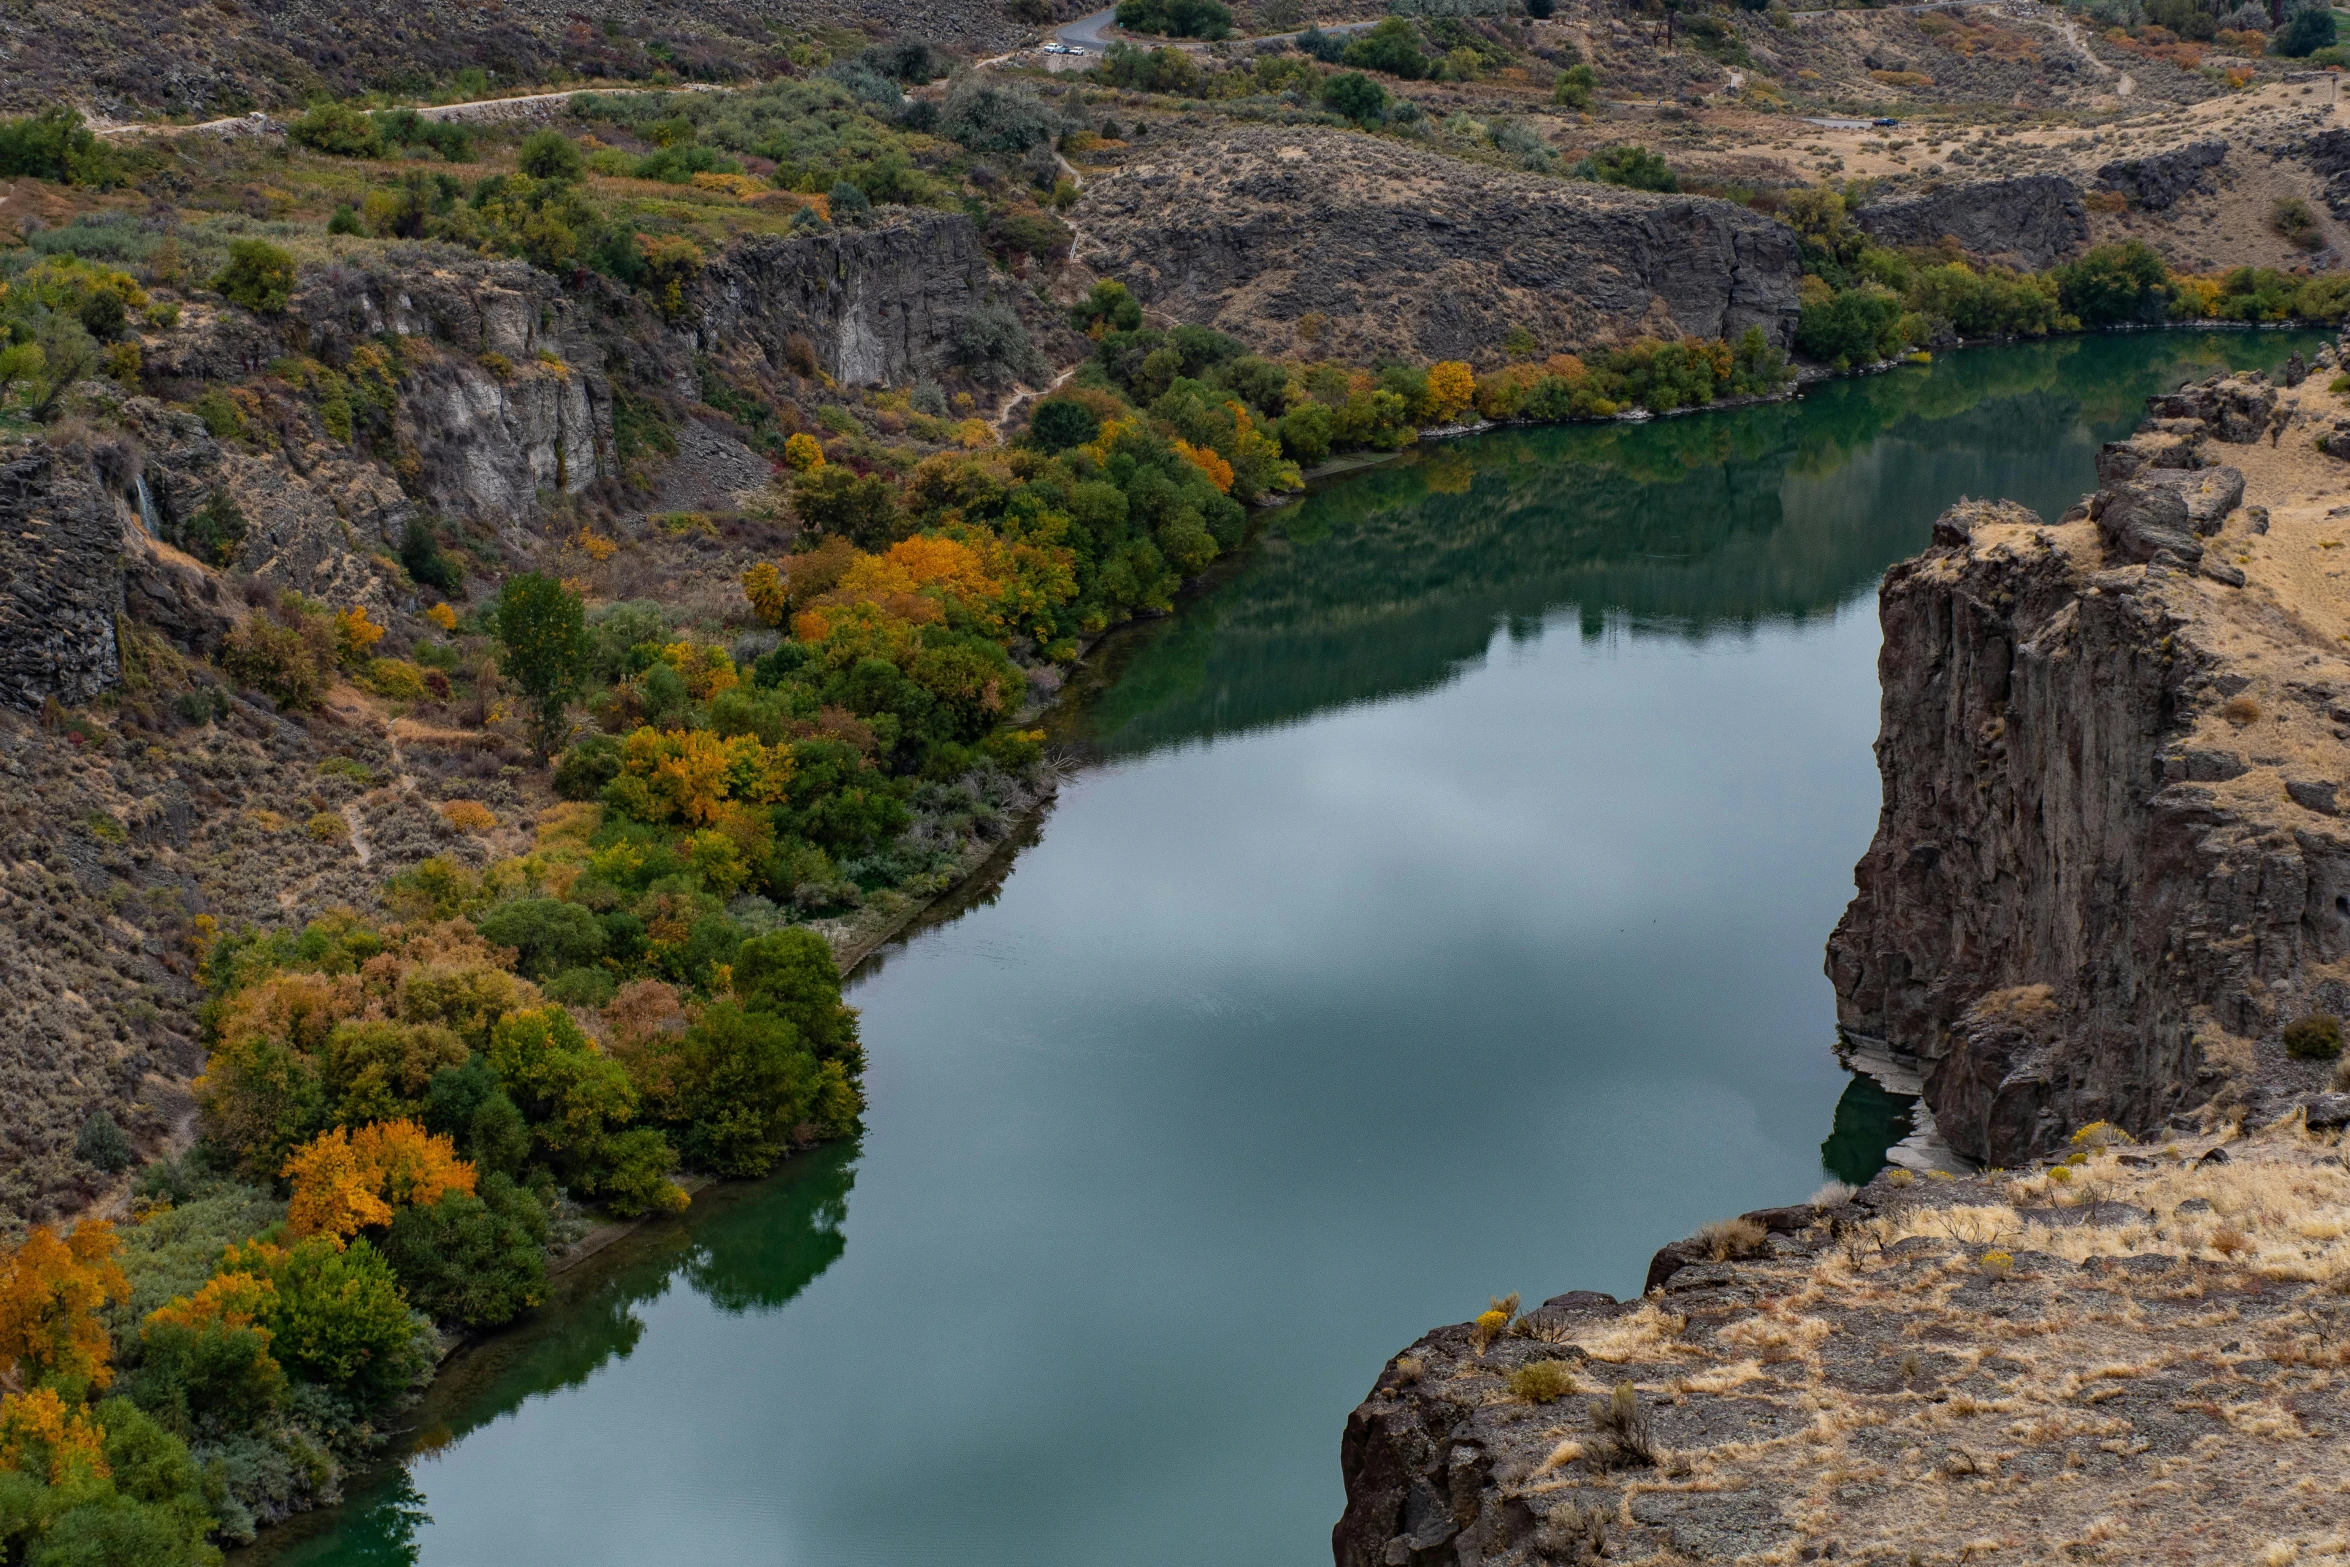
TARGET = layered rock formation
x,y
60,581
2060,1365
2029,223
2109,871
869,305
1406,253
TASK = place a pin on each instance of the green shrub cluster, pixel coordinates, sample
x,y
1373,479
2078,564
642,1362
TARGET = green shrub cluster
x,y
1863,301
1176,18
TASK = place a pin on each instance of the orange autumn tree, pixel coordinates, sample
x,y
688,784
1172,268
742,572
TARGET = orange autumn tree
x,y
51,1292
41,1433
345,1182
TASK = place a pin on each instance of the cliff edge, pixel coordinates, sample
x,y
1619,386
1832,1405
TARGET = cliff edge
x,y
2111,867
2134,1352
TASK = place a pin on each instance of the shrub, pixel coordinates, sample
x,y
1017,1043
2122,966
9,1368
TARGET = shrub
x,y
276,660
56,145
1355,96
2317,1037
1542,1381
550,155
1635,168
1726,1239
394,679
338,129
986,117
468,815
993,346
1328,48
426,565
101,1143
587,767
328,827
475,1261
2292,219
1392,47
258,276
1625,1438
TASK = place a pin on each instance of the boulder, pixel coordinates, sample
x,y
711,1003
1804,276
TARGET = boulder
x,y
2233,408
2161,178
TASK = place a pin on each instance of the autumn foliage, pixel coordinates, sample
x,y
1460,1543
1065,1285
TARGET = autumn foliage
x,y
41,1433
51,1292
346,1181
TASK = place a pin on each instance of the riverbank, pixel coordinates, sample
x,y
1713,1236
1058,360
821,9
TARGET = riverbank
x,y
2133,1344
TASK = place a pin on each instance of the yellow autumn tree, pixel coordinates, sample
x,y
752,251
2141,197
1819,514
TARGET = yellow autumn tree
x,y
51,1292
1452,386
691,775
803,453
707,670
345,1181
355,635
235,1299
40,1433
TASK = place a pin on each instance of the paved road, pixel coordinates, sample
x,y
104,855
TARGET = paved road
x,y
1088,34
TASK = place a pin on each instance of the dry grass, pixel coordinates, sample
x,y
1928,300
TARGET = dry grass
x,y
2040,1411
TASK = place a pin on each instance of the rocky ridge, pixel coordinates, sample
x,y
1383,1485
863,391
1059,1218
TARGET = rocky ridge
x,y
2132,1352
2110,867
1407,253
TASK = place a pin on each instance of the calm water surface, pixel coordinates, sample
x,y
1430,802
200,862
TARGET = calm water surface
x,y
1440,915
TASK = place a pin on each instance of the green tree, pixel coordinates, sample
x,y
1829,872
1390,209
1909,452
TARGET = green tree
x,y
1577,88
547,934
734,1084
1355,96
56,145
540,625
476,1261
833,502
258,276
1393,47
1062,422
2113,284
550,155
337,1318
2304,33
791,974
1854,326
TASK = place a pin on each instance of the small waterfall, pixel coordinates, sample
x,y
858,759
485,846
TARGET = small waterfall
x,y
149,519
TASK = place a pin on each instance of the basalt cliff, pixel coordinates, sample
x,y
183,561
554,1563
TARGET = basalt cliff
x,y
2111,867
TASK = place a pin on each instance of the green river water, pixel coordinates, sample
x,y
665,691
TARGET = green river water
x,y
1438,913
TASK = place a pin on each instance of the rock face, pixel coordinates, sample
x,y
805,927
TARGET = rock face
x,y
60,579
871,305
1850,1382
2029,223
1411,254
2159,179
2092,885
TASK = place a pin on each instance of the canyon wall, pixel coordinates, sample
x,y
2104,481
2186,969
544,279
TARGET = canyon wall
x,y
2109,868
1405,253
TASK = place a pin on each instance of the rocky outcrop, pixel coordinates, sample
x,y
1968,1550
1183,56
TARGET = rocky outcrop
x,y
2095,883
1849,1381
868,305
60,579
1406,253
2157,180
2029,223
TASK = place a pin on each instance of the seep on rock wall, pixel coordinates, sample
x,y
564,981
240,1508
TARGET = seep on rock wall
x,y
2109,868
871,306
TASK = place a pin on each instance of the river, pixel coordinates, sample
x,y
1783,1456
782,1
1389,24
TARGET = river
x,y
1437,912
